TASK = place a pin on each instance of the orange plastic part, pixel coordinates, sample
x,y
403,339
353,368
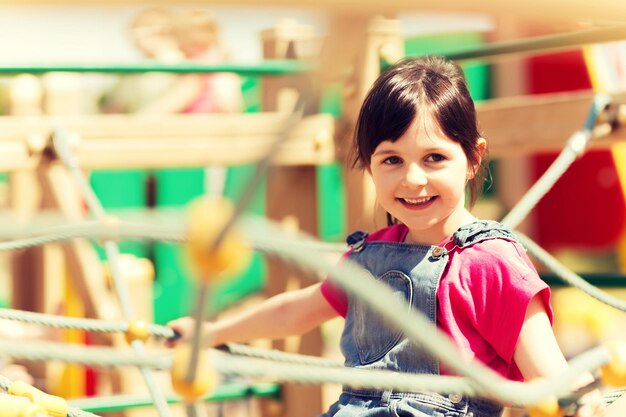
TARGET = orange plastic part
x,y
614,372
206,219
546,408
206,376
137,330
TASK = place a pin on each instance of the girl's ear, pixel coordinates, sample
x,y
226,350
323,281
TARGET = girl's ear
x,y
481,151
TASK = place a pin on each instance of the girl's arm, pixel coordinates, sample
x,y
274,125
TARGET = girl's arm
x,y
286,314
537,354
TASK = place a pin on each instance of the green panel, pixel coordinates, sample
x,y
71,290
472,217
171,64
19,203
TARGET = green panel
x,y
331,203
118,190
226,392
173,287
476,72
250,89
331,193
177,187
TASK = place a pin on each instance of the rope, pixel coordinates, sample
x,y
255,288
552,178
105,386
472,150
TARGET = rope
x,y
416,327
61,145
519,393
569,276
279,356
574,148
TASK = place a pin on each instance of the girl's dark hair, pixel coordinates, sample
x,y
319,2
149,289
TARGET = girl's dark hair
x,y
428,85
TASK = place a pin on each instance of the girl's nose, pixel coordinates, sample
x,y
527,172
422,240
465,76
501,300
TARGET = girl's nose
x,y
415,176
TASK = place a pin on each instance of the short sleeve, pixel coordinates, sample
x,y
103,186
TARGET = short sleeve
x,y
503,283
335,297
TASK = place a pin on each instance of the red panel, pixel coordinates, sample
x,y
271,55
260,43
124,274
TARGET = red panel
x,y
586,207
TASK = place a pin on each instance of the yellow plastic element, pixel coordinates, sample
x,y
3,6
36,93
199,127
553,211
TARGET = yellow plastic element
x,y
207,217
137,330
112,224
54,406
614,372
546,408
12,406
206,376
71,381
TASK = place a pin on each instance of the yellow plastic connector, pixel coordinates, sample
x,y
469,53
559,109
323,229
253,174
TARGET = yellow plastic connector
x,y
205,376
614,372
546,408
112,225
207,216
54,406
12,406
137,330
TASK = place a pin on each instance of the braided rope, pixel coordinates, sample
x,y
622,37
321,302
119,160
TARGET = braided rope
x,y
574,148
61,145
569,276
279,356
520,393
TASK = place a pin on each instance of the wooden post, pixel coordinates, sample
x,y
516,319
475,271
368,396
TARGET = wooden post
x,y
510,79
382,40
291,194
28,270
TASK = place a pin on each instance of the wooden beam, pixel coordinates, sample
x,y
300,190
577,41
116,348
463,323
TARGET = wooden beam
x,y
530,124
120,141
513,126
554,11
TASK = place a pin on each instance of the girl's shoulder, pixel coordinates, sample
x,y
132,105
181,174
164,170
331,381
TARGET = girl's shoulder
x,y
497,254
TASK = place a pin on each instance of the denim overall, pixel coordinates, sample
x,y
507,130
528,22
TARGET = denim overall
x,y
368,342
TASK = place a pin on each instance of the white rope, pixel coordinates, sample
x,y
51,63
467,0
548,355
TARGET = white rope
x,y
62,147
575,147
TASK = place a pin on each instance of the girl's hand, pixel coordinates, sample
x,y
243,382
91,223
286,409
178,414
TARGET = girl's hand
x,y
183,327
593,405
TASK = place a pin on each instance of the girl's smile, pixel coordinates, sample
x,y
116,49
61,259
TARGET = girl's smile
x,y
420,180
417,203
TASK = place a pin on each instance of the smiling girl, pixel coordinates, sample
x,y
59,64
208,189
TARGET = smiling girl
x,y
417,137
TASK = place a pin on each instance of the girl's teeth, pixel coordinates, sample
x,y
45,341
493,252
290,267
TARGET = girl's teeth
x,y
417,201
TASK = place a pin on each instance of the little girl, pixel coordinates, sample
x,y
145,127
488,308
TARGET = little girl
x,y
417,137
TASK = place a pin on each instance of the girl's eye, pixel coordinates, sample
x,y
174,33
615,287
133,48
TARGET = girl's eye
x,y
435,157
392,160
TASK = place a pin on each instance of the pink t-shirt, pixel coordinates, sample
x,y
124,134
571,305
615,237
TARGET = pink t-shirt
x,y
482,298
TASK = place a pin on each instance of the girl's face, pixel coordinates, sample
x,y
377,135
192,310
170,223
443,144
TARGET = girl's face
x,y
420,180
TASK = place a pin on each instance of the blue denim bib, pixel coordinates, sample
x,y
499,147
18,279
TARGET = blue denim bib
x,y
368,342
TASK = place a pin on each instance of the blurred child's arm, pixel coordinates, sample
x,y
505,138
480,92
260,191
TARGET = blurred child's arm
x,y
289,313
183,92
537,354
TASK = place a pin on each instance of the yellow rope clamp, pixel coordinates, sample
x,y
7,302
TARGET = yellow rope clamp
x,y
207,216
137,330
614,372
54,406
546,408
12,406
112,225
206,378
